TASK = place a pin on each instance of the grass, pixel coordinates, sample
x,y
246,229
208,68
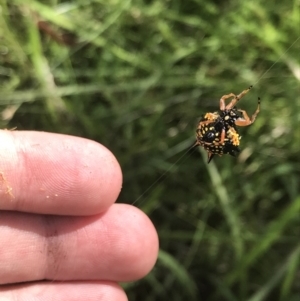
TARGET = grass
x,y
136,76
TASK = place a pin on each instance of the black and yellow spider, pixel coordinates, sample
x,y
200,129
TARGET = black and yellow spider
x,y
217,132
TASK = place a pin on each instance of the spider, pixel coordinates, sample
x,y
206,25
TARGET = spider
x,y
217,132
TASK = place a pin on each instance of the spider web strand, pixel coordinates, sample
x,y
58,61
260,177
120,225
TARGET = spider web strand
x,y
164,174
280,57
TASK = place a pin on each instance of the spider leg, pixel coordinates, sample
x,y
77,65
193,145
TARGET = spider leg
x,y
222,137
204,122
233,101
223,98
246,120
208,118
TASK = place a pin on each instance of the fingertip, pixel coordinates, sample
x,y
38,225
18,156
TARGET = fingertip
x,y
61,291
138,245
147,251
57,174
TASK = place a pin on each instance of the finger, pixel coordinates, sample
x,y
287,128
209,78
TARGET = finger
x,y
118,245
56,174
70,291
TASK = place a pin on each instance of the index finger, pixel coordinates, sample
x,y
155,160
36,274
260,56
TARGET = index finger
x,y
56,174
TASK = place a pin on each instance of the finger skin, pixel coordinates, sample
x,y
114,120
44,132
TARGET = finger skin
x,y
64,291
118,245
56,174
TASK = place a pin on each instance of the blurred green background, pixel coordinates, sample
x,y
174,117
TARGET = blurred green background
x,y
137,76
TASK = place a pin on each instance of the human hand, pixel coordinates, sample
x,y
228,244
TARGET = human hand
x,y
61,235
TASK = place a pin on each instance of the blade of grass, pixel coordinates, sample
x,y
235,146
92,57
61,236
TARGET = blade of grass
x,y
266,289
179,273
271,235
229,212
